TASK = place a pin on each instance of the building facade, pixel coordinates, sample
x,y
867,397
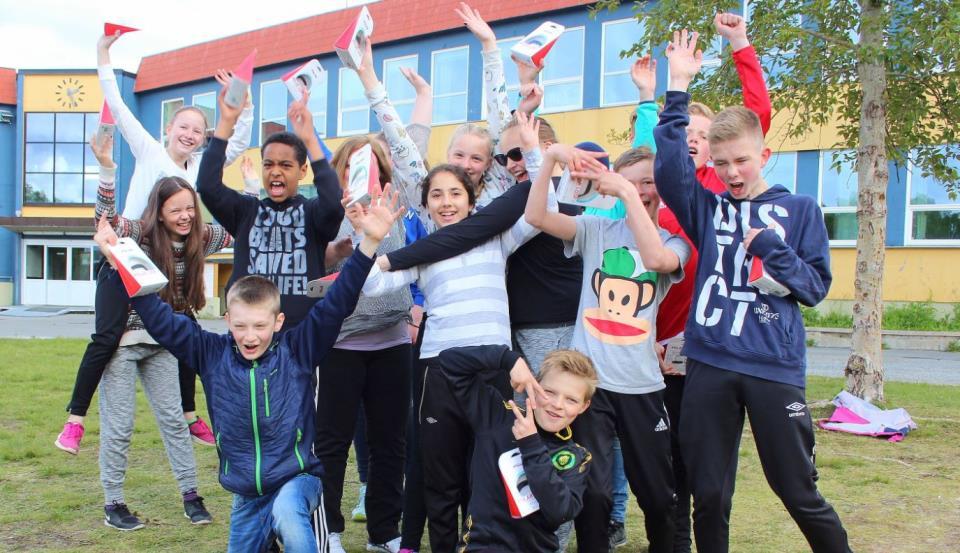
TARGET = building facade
x,y
48,183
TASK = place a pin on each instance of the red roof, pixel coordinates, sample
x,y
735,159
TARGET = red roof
x,y
8,86
304,38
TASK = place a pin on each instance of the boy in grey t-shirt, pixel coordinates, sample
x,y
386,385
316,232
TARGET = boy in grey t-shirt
x,y
628,266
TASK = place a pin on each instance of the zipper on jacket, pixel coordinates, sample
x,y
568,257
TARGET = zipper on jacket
x,y
266,398
256,431
296,448
226,462
423,392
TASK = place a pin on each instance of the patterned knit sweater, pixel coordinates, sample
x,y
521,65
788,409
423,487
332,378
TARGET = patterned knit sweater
x,y
215,238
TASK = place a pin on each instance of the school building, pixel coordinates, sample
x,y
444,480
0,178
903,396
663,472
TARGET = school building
x,y
48,176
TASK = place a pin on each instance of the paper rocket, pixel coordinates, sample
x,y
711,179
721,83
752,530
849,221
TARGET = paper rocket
x,y
244,71
109,29
106,118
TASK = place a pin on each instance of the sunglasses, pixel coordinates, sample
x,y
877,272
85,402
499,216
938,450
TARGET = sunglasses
x,y
516,154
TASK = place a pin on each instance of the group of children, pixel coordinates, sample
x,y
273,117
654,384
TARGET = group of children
x,y
561,356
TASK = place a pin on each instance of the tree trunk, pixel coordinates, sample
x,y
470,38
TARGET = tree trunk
x,y
864,370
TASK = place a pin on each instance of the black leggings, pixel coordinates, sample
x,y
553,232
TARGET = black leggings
x,y
112,307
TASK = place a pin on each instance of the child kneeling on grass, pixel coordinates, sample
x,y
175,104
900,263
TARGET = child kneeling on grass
x,y
553,466
259,388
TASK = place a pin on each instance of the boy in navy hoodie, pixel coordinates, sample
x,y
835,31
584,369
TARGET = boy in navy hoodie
x,y
745,347
552,465
259,388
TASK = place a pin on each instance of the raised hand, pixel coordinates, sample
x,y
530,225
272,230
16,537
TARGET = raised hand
x,y
531,97
608,183
576,159
247,170
474,21
733,28
228,113
529,129
524,425
300,118
644,75
103,47
527,73
102,147
380,216
522,380
685,59
420,85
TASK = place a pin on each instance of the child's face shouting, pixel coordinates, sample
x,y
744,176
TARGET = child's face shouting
x,y
697,144
281,171
252,327
447,200
565,395
739,163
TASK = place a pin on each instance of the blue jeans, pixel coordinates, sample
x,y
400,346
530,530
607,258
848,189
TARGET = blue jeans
x,y
619,512
286,512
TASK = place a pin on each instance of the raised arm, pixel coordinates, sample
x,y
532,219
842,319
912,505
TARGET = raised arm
x,y
468,369
224,203
138,139
243,130
538,210
422,113
756,98
106,193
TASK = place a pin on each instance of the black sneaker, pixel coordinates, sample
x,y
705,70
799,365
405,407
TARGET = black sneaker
x,y
196,512
617,534
119,516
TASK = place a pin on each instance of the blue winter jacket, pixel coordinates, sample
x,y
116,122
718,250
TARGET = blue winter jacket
x,y
733,325
262,411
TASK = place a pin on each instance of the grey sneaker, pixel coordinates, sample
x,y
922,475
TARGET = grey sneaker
x,y
196,512
617,534
119,516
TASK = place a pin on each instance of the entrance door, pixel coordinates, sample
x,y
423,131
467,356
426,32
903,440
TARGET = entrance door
x,y
58,272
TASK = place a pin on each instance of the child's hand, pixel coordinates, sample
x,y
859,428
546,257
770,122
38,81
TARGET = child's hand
x,y
750,235
106,237
608,183
102,149
524,425
228,113
685,59
343,248
354,213
380,216
527,73
420,85
575,159
644,75
246,169
522,380
301,119
474,21
529,129
531,98
106,41
733,28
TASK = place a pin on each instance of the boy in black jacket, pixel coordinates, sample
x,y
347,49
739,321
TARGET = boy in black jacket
x,y
553,465
284,236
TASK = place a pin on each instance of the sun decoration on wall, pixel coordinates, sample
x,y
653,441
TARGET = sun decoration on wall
x,y
70,93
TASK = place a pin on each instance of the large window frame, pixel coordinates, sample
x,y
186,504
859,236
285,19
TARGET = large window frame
x,y
263,104
513,89
52,160
775,159
345,73
439,96
604,73
546,82
912,209
402,104
207,103
825,164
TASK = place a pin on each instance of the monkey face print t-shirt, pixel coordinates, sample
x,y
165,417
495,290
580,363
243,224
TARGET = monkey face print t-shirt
x,y
616,318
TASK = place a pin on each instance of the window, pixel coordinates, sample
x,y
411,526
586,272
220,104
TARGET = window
x,y
933,216
781,169
354,112
273,108
167,109
562,76
838,195
207,103
34,262
616,86
318,105
58,166
80,264
399,90
447,71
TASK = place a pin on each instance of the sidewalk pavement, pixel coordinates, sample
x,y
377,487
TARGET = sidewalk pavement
x,y
934,367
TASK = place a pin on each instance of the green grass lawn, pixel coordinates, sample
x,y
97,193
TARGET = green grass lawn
x,y
891,497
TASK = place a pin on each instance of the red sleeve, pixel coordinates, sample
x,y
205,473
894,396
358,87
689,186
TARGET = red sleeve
x,y
755,95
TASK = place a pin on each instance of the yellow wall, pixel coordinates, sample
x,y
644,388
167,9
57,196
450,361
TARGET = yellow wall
x,y
47,92
910,274
52,211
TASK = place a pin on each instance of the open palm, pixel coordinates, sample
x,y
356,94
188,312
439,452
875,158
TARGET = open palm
x,y
381,214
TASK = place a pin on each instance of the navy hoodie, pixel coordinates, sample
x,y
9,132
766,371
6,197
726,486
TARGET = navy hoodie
x,y
732,325
263,411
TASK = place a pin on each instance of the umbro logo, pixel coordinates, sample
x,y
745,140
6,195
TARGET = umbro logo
x,y
431,420
661,426
797,409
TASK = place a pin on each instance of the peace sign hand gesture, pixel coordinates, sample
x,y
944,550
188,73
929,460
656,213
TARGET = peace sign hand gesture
x,y
524,424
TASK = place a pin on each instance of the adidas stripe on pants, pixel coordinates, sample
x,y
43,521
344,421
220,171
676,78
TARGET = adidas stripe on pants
x,y
641,422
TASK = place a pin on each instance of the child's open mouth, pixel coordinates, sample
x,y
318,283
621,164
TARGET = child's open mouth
x,y
693,151
249,350
277,187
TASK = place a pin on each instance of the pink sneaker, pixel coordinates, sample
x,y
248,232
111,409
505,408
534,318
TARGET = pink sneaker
x,y
201,433
69,438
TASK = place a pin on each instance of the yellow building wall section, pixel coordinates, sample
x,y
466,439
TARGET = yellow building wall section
x,y
54,211
910,274
62,92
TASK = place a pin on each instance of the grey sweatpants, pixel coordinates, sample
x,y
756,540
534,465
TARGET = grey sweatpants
x,y
158,372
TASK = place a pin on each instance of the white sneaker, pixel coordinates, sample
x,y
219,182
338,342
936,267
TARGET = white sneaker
x,y
392,546
333,543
